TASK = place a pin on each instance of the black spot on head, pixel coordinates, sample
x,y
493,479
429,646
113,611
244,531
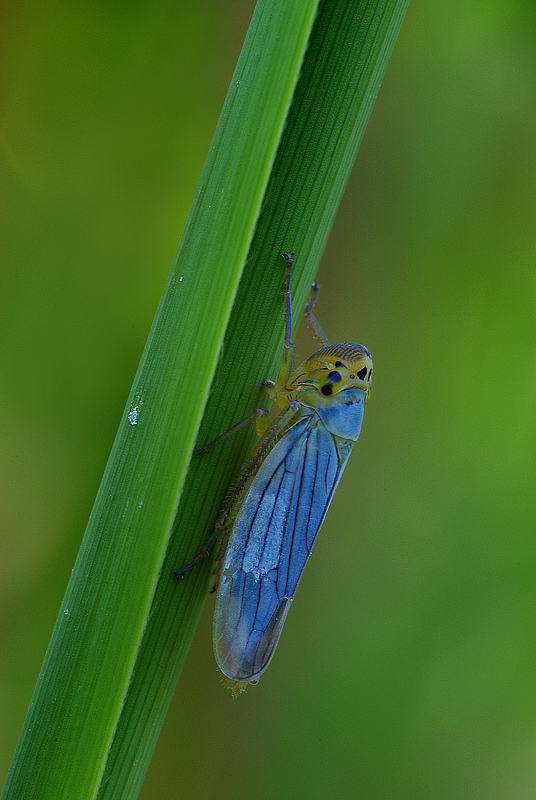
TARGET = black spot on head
x,y
326,390
339,364
362,373
335,377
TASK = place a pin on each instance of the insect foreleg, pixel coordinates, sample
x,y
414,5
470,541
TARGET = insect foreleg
x,y
311,320
286,362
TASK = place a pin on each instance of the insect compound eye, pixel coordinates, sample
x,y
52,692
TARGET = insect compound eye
x,y
362,373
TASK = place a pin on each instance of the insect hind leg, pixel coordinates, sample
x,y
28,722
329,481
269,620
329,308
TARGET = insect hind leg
x,y
205,550
261,417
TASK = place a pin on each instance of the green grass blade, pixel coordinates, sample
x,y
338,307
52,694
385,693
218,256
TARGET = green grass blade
x,y
82,686
125,626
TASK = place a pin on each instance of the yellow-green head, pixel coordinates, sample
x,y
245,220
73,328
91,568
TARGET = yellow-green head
x,y
334,369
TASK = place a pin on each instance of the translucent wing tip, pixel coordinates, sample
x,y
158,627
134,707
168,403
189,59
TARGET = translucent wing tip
x,y
243,653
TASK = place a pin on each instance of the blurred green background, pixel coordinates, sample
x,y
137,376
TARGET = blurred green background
x,y
407,668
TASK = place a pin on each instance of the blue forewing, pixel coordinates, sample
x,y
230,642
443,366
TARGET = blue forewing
x,y
273,534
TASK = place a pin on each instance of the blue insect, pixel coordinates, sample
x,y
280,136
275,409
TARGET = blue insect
x,y
279,502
